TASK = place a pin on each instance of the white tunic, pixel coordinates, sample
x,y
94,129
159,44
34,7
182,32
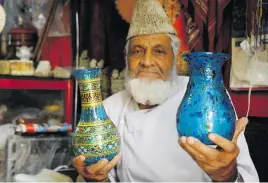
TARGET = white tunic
x,y
149,147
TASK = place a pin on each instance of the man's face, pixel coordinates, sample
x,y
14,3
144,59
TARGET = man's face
x,y
150,57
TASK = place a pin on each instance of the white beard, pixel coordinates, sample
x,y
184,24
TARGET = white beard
x,y
148,91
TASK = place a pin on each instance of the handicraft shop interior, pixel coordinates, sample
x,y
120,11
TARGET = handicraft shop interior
x,y
60,59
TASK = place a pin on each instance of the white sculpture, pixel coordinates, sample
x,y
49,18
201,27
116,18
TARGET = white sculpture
x,y
100,64
93,63
115,74
117,81
43,69
24,52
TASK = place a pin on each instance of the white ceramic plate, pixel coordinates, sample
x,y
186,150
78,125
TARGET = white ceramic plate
x,y
2,18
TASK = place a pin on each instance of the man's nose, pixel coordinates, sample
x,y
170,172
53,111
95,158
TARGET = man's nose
x,y
147,60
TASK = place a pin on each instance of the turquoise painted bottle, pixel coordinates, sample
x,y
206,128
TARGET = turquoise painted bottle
x,y
95,136
206,107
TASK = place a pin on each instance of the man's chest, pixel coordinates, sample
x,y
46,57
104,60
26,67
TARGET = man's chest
x,y
150,151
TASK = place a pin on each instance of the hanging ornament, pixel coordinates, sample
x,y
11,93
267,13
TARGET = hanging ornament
x,y
172,8
125,8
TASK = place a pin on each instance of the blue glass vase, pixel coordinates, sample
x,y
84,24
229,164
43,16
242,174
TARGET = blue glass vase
x,y
206,107
95,136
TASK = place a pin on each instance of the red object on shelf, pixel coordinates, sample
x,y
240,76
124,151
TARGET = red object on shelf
x,y
258,106
58,51
44,84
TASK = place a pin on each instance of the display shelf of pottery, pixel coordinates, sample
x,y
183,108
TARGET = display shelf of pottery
x,y
24,66
117,81
206,107
95,136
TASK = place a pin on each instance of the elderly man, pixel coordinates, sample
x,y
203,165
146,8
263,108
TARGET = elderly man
x,y
145,115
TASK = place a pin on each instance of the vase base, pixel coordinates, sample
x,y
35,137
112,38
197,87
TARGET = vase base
x,y
93,160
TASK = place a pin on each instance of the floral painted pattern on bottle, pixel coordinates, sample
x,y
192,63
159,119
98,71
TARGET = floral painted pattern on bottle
x,y
95,136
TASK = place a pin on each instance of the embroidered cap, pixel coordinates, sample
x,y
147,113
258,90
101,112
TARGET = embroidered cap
x,y
148,18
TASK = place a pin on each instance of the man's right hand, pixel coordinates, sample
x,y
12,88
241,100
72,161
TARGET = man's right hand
x,y
95,172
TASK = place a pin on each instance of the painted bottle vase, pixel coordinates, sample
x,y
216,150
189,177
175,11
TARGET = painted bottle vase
x,y
206,106
95,136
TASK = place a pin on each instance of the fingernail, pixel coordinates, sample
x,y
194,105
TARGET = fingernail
x,y
183,139
211,136
82,158
190,140
104,160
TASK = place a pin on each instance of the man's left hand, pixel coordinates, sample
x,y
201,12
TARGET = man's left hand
x,y
220,163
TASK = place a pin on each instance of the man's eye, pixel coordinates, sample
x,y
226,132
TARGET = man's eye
x,y
160,51
137,52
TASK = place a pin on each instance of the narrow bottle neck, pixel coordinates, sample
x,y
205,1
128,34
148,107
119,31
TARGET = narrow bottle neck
x,y
90,93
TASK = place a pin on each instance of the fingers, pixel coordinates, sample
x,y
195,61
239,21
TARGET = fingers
x,y
78,161
239,127
88,171
207,151
93,169
98,171
223,143
109,166
186,144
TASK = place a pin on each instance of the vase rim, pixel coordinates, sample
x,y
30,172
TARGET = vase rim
x,y
88,70
221,54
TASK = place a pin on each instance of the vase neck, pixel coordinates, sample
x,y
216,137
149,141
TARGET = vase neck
x,y
90,93
206,67
207,73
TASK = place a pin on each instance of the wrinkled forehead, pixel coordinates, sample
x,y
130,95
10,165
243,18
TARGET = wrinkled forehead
x,y
150,40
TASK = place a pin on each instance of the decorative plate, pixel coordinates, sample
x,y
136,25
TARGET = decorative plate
x,y
2,18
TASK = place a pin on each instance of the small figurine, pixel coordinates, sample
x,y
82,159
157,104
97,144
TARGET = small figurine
x,y
115,74
43,69
100,64
122,74
84,60
24,52
245,46
93,63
